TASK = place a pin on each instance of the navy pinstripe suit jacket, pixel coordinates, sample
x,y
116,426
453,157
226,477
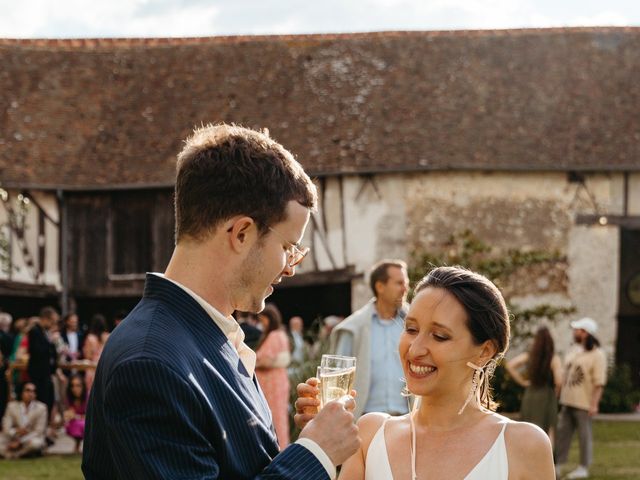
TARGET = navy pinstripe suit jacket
x,y
171,399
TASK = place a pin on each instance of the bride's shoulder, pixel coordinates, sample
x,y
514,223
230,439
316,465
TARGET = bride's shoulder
x,y
369,424
528,449
518,432
521,434
372,421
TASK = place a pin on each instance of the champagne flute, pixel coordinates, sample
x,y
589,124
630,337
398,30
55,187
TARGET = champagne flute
x,y
336,374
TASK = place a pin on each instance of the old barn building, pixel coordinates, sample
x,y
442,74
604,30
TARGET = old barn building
x,y
526,141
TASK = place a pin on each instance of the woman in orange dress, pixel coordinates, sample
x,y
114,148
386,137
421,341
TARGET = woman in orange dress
x,y
273,356
93,344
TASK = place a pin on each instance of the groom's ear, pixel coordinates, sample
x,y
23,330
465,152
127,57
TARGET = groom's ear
x,y
242,233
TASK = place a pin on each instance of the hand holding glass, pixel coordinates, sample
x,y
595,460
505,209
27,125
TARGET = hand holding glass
x,y
336,374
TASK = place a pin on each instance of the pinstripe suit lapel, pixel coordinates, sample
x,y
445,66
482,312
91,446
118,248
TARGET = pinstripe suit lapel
x,y
217,358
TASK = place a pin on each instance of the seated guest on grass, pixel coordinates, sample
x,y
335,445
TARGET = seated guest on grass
x,y
24,425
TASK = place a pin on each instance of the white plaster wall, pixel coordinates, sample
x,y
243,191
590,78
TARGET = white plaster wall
x,y
511,210
375,226
52,274
333,233
21,272
594,263
532,211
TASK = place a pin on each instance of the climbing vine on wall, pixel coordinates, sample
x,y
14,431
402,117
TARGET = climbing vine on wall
x,y
466,249
502,267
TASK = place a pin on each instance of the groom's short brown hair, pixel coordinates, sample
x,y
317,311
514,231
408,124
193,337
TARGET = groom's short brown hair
x,y
227,170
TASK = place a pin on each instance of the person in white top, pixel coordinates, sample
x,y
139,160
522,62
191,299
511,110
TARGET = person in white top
x,y
586,375
24,425
456,330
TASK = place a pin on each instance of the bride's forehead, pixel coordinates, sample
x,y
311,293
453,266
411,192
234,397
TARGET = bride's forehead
x,y
437,304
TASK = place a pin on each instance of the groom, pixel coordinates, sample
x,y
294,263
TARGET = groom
x,y
175,395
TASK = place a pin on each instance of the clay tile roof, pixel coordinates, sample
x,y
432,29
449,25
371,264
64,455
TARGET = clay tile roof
x,y
92,113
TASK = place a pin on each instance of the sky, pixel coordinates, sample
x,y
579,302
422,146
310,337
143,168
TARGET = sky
x,y
188,18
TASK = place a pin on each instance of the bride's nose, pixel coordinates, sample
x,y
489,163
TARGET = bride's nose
x,y
418,347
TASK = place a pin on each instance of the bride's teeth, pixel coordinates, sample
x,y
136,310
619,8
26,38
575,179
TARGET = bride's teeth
x,y
420,369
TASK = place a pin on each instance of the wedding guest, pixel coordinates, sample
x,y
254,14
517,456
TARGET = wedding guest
x,y
371,334
72,338
542,383
94,343
24,424
43,357
74,415
585,377
6,345
299,346
272,359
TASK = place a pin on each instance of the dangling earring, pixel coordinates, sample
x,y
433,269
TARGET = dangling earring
x,y
478,375
490,367
413,401
405,390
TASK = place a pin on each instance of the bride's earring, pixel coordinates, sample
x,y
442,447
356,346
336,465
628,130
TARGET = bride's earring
x,y
475,384
405,390
490,368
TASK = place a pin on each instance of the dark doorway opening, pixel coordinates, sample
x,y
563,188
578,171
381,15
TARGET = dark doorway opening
x,y
86,307
19,306
627,350
313,302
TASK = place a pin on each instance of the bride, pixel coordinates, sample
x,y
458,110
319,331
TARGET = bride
x,y
456,330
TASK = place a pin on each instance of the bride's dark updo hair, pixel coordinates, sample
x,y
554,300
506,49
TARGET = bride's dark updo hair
x,y
487,314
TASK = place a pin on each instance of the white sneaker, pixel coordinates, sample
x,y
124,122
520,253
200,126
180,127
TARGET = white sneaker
x,y
580,472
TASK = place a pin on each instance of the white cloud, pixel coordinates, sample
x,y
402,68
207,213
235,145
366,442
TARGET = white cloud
x,y
84,18
75,18
600,19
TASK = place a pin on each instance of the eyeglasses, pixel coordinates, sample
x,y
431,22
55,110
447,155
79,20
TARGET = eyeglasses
x,y
296,252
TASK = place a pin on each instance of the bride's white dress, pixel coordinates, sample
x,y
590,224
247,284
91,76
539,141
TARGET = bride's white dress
x,y
493,465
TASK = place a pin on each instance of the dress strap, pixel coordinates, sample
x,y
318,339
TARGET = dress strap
x,y
414,476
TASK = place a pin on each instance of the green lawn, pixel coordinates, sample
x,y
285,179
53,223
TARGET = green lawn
x,y
616,451
58,467
616,457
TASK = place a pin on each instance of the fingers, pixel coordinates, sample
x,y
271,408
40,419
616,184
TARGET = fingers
x,y
308,389
307,405
348,402
342,405
301,419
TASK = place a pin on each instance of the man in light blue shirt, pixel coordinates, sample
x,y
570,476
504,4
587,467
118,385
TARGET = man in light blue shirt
x,y
371,334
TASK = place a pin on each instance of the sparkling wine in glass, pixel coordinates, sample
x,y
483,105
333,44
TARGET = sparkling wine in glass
x,y
336,374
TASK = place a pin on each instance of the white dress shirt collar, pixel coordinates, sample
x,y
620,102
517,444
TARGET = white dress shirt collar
x,y
228,325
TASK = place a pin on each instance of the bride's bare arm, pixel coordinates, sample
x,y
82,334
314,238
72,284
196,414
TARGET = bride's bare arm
x,y
354,467
529,452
